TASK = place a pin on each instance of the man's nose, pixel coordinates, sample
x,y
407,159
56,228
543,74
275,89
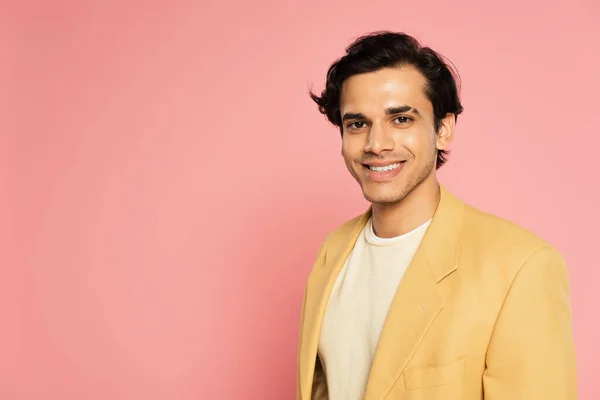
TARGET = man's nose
x,y
379,139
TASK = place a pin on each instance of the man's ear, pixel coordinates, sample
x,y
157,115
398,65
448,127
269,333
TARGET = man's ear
x,y
445,134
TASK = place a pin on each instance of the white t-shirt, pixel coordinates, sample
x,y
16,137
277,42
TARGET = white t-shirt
x,y
358,307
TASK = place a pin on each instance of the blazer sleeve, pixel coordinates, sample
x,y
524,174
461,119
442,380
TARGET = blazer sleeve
x,y
531,354
319,259
298,394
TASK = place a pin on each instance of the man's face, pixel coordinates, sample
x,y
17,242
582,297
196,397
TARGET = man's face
x,y
389,142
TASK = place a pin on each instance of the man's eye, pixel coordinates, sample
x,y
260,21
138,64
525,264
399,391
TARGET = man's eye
x,y
403,120
357,125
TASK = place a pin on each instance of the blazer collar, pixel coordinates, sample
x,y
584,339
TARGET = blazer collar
x,y
440,243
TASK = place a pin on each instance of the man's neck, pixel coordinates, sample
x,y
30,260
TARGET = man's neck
x,y
418,207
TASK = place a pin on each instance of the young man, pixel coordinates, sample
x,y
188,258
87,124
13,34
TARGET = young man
x,y
424,297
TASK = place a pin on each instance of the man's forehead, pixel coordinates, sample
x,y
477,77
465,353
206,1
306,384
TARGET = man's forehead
x,y
381,90
386,78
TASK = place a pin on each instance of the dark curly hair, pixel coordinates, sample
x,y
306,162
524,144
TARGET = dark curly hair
x,y
385,49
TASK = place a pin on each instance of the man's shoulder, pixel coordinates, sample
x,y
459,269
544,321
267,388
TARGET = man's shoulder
x,y
488,226
501,238
340,235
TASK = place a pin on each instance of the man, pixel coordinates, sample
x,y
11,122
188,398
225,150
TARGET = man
x,y
424,297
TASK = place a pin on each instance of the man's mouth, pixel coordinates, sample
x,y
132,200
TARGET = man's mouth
x,y
383,172
384,168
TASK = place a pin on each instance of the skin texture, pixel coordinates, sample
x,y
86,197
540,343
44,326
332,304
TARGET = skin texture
x,y
387,118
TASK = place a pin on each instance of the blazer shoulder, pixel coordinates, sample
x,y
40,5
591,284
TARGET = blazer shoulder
x,y
492,226
339,235
501,237
335,239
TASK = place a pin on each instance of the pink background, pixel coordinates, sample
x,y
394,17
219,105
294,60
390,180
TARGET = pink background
x,y
166,180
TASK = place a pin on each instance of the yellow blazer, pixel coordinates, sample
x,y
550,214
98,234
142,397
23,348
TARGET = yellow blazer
x,y
482,312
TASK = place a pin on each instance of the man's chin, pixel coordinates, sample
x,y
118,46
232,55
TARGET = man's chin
x,y
383,197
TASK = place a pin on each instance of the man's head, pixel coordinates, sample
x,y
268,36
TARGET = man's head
x,y
396,104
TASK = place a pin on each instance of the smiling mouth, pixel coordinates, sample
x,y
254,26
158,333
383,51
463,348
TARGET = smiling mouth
x,y
384,168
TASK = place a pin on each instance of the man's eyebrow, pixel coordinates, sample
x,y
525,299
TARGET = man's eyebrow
x,y
401,109
348,116
388,111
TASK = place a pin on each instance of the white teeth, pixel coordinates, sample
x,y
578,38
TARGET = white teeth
x,y
384,169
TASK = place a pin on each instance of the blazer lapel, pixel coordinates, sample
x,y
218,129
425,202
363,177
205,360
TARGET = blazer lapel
x,y
321,282
417,302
